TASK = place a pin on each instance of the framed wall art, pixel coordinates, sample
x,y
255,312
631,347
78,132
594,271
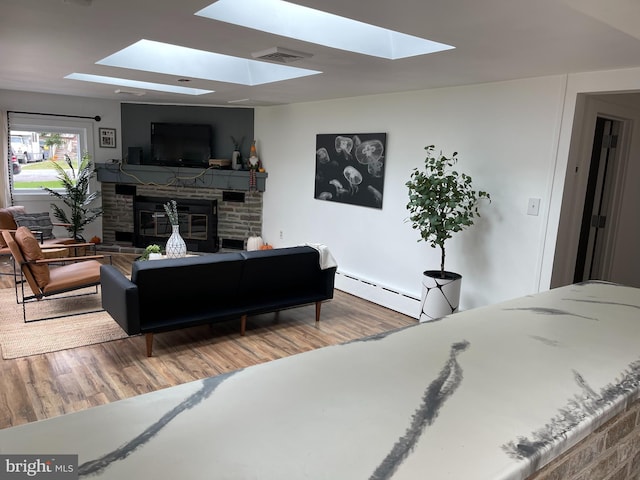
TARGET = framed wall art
x,y
107,137
350,168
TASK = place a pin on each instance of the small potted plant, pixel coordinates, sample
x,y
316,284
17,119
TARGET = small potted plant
x,y
441,203
152,252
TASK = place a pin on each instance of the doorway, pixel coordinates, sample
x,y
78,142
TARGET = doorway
x,y
599,228
595,232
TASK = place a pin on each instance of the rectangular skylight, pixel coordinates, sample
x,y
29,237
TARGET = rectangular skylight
x,y
124,82
152,56
315,26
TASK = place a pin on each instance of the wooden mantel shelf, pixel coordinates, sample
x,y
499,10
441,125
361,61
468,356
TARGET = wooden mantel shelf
x,y
186,177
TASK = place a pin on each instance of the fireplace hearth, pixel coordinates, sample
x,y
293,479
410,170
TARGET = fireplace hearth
x,y
198,221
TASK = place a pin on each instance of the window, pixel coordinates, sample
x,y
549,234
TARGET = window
x,y
36,144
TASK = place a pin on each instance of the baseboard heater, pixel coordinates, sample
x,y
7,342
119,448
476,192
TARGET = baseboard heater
x,y
380,294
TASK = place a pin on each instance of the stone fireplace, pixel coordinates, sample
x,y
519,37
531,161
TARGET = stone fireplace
x,y
239,208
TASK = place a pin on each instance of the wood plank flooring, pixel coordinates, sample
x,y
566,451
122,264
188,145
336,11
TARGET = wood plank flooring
x,y
48,385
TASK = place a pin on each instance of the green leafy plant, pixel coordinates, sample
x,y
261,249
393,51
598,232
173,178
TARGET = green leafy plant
x,y
171,209
441,201
153,248
75,195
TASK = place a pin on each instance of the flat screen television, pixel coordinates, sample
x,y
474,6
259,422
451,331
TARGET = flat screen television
x,y
181,144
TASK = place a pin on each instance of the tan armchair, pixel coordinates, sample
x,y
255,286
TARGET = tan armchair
x,y
41,277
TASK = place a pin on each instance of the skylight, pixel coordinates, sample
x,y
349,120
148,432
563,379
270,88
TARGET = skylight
x,y
152,56
123,82
315,26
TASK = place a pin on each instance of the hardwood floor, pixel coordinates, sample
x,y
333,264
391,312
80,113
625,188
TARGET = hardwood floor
x,y
43,386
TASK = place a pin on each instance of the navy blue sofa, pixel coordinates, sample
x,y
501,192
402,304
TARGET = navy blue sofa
x,y
169,294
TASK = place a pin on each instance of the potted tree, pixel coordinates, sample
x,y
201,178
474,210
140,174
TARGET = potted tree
x,y
441,203
75,195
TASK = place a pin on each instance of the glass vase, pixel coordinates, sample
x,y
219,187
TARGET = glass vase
x,y
175,248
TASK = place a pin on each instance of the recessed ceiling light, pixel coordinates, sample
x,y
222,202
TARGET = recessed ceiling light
x,y
152,56
315,26
122,91
82,3
124,82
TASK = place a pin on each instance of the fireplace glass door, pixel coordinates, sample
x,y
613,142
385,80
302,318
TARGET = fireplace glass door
x,y
156,224
197,220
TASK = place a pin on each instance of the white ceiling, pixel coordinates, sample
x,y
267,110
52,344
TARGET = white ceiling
x,y
42,41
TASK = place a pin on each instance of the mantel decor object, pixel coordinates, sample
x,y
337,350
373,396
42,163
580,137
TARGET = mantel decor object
x,y
236,156
176,247
254,165
253,157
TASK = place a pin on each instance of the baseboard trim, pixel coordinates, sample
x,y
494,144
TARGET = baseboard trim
x,y
379,294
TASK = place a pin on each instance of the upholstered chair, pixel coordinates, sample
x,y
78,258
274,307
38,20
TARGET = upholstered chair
x,y
71,273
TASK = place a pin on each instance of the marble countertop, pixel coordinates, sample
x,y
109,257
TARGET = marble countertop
x,y
491,393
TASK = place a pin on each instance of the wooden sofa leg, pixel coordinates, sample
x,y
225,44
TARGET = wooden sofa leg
x,y
149,338
243,324
318,305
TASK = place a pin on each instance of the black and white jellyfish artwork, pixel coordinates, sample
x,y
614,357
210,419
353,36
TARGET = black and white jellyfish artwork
x,y
350,168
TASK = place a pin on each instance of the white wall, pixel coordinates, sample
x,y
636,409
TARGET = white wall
x,y
514,138
506,134
109,111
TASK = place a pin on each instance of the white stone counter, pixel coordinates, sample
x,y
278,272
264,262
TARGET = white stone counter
x,y
492,393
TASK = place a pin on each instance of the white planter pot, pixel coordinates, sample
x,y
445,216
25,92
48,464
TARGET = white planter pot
x,y
440,296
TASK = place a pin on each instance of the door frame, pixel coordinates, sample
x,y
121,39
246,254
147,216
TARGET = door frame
x,y
575,184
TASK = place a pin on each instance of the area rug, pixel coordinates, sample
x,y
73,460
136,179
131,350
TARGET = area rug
x,y
19,339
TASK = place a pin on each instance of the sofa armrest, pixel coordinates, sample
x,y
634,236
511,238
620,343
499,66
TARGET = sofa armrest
x,y
329,278
120,299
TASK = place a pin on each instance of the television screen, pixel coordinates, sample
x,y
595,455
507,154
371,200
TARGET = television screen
x,y
181,144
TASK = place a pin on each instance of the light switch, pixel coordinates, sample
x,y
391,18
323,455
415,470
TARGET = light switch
x,y
534,206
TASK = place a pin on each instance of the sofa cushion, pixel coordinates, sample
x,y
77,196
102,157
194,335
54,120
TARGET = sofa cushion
x,y
199,286
294,271
73,275
31,250
40,222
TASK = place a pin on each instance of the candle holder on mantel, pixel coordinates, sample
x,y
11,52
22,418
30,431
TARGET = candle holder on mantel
x,y
236,156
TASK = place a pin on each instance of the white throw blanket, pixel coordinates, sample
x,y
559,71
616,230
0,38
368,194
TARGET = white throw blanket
x,y
326,259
